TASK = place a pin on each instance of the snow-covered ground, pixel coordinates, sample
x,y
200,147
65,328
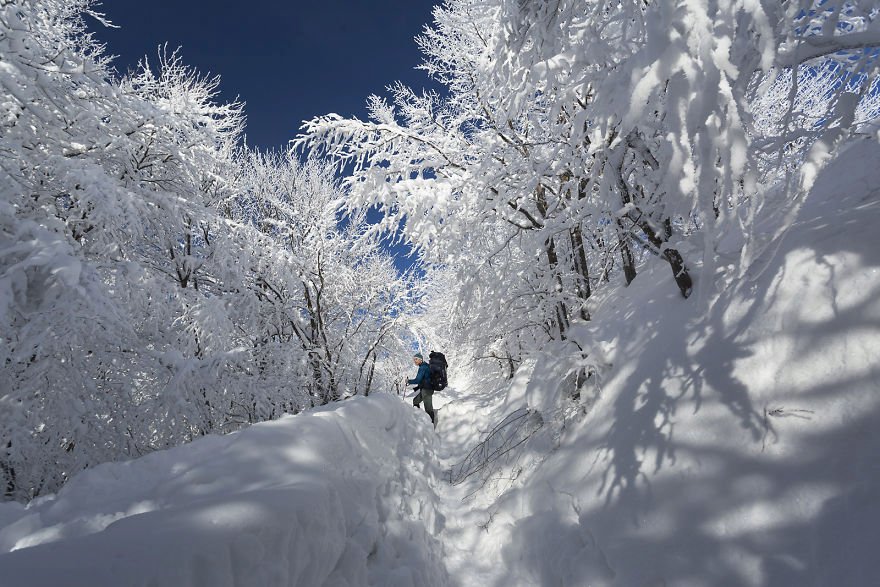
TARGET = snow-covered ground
x,y
336,496
740,446
734,445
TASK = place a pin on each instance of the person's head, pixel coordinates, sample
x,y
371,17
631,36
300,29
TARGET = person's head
x,y
418,359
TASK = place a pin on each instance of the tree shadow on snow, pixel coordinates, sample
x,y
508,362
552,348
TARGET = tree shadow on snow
x,y
658,504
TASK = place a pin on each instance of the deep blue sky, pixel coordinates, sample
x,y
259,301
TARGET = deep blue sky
x,y
288,60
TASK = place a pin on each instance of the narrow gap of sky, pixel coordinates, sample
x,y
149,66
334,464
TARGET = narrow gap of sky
x,y
288,61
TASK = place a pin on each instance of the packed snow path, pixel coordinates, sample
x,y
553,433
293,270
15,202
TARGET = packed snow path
x,y
343,495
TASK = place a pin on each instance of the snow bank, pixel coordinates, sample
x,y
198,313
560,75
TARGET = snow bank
x,y
735,444
336,496
733,441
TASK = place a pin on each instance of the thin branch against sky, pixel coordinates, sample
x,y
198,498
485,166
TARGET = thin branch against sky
x,y
288,61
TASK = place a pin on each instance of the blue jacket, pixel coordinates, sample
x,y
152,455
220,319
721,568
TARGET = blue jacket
x,y
423,377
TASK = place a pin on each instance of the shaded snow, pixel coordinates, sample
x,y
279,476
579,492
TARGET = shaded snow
x,y
734,446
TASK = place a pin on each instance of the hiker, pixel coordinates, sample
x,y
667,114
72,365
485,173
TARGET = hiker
x,y
423,385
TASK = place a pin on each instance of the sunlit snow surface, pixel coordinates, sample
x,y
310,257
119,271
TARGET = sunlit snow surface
x,y
735,442
729,439
336,496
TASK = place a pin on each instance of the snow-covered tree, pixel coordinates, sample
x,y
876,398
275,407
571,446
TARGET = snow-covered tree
x,y
157,283
577,139
107,194
333,293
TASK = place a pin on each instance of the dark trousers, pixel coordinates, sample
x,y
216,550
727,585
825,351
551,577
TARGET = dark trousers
x,y
425,396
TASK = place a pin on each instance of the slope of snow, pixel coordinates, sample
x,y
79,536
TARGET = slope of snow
x,y
336,496
737,445
732,441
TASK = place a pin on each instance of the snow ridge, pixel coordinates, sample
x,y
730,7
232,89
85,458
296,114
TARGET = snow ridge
x,y
336,496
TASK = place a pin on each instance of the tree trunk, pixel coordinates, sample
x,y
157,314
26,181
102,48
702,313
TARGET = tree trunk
x,y
673,257
370,377
582,269
626,256
561,310
9,473
642,220
553,262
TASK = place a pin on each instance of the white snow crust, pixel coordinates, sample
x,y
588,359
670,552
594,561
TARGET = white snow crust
x,y
336,496
737,445
732,441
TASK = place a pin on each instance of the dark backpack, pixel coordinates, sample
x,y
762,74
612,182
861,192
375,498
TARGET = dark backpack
x,y
437,366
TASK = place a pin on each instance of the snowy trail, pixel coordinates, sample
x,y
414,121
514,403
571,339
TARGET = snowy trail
x,y
739,448
735,446
457,432
501,529
473,557
337,496
345,495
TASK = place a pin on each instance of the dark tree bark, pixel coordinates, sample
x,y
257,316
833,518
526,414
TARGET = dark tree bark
x,y
552,262
673,257
9,473
626,257
583,274
370,377
639,218
561,310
